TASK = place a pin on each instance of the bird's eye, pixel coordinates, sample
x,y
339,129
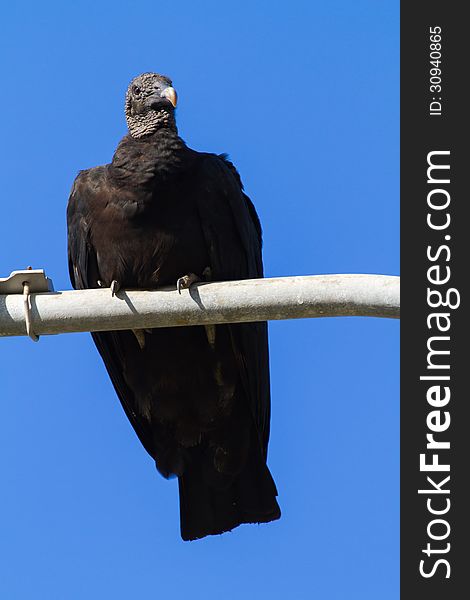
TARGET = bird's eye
x,y
136,89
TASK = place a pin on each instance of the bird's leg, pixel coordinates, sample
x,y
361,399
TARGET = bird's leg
x,y
115,287
210,329
140,337
210,332
186,281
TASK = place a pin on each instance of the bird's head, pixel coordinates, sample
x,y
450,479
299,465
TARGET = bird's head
x,y
150,104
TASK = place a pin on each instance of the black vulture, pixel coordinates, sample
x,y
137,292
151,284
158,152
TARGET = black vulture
x,y
198,397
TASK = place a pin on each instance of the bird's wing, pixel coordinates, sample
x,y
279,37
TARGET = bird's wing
x,y
84,274
233,236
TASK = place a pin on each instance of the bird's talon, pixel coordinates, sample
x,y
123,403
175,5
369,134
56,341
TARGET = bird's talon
x,y
115,287
186,282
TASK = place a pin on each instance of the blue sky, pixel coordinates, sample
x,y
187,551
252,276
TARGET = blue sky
x,y
305,99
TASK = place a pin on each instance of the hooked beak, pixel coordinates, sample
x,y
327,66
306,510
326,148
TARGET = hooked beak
x,y
170,94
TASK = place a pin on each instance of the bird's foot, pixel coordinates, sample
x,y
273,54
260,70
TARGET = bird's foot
x,y
186,281
115,287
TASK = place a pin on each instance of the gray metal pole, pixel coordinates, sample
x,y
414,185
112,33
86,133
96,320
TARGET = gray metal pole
x,y
204,303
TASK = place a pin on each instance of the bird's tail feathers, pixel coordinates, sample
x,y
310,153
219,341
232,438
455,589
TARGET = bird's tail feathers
x,y
249,497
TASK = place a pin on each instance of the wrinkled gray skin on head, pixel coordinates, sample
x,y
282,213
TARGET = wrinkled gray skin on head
x,y
147,108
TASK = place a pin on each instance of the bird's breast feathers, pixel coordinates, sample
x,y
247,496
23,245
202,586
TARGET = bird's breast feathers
x,y
142,239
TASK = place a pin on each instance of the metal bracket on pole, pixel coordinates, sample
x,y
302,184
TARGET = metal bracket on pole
x,y
29,281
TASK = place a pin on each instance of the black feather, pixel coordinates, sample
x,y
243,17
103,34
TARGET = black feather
x,y
160,211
